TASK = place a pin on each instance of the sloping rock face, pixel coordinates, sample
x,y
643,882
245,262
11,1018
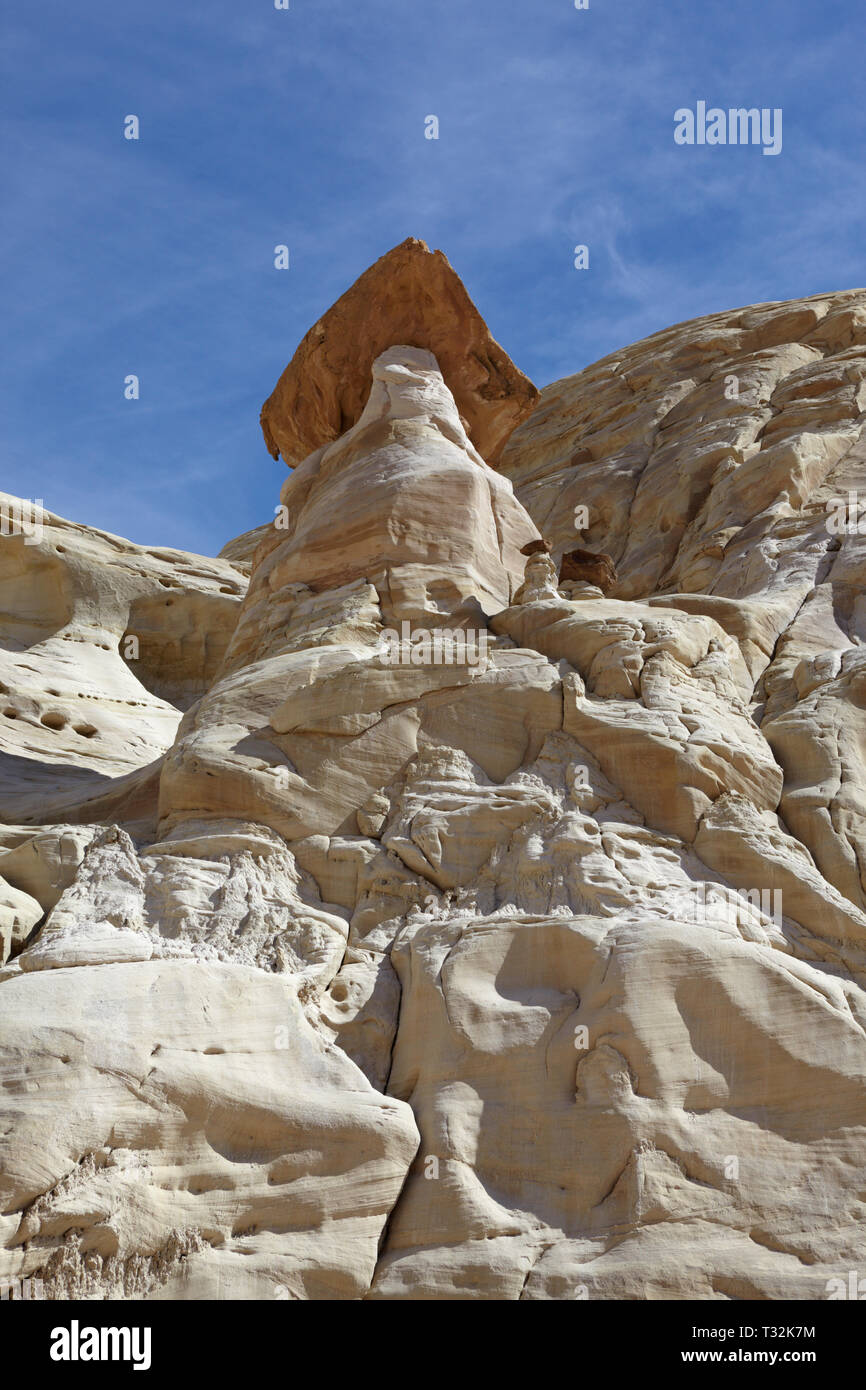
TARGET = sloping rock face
x,y
492,937
714,461
103,645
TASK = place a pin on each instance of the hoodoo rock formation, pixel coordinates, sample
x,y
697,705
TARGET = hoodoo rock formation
x,y
334,969
588,567
412,296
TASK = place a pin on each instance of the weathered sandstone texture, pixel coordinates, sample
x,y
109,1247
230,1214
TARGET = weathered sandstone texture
x,y
411,296
103,645
404,921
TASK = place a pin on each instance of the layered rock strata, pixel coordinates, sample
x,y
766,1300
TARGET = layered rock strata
x,y
433,924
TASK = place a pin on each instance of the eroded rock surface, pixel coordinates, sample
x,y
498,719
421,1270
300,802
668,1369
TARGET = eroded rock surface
x,y
103,644
432,925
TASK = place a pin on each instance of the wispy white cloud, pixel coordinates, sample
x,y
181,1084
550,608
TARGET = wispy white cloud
x,y
306,126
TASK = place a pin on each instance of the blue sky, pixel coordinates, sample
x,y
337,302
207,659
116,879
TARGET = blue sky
x,y
306,127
